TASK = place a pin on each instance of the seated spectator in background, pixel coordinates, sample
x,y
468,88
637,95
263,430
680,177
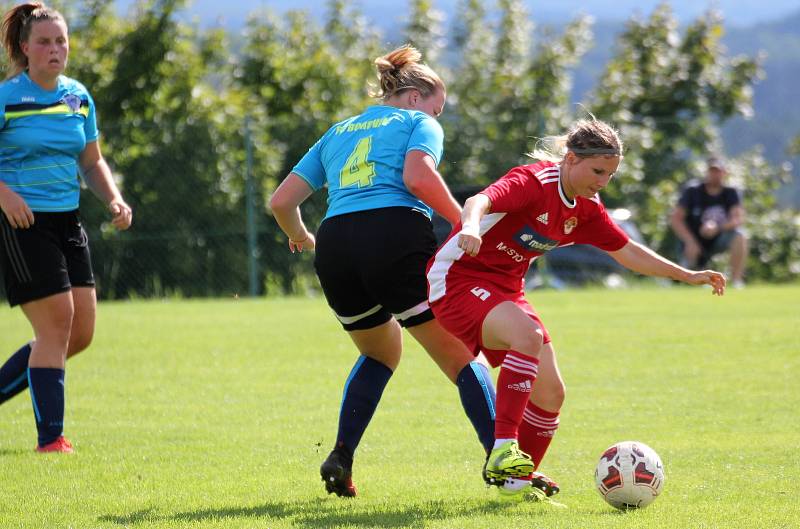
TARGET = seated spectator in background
x,y
708,220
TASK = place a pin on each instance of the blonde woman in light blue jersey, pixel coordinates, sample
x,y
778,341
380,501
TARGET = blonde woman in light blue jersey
x,y
379,168
48,134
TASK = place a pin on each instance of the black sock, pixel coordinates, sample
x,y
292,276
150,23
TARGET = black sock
x,y
362,392
478,398
47,395
14,373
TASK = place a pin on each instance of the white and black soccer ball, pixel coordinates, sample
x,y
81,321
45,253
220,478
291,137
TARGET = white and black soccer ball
x,y
629,475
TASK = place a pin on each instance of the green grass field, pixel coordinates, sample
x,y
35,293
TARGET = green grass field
x,y
218,414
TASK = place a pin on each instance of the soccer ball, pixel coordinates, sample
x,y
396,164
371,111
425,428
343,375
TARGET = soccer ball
x,y
629,475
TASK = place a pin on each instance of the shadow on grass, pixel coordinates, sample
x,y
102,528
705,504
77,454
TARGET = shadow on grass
x,y
14,451
320,513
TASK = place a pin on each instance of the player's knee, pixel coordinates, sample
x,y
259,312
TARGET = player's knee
x,y
529,343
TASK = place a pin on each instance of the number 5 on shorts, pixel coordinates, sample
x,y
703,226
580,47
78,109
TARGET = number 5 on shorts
x,y
357,169
481,293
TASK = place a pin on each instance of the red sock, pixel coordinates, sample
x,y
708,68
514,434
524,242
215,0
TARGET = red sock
x,y
514,382
536,431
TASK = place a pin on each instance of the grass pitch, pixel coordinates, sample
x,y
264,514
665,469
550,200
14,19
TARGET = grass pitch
x,y
218,413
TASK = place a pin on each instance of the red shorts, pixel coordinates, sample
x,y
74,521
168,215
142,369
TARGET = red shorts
x,y
462,311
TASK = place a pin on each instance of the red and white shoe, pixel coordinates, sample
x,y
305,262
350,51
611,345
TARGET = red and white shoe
x,y
60,445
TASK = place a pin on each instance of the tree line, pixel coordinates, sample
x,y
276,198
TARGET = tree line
x,y
187,114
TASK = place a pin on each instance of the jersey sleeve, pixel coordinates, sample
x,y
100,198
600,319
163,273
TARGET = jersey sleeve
x,y
427,136
602,232
90,125
310,167
515,191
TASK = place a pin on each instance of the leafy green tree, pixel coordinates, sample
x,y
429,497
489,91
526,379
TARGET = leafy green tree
x,y
506,92
424,30
169,137
468,104
668,92
300,81
774,233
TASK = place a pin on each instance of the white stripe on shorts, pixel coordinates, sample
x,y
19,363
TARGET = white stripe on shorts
x,y
347,320
413,311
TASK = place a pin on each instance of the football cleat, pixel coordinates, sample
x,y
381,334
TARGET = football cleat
x,y
336,472
60,445
527,490
545,484
507,461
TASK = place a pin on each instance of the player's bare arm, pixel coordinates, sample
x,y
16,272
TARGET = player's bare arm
x,y
643,260
475,208
424,182
285,205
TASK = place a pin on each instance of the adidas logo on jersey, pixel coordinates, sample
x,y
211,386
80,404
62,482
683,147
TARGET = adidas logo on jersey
x,y
524,387
542,218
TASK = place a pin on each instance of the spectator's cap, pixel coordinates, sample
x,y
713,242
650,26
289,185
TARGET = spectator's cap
x,y
716,162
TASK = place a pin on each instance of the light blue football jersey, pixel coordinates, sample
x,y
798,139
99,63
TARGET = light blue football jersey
x,y
42,133
361,159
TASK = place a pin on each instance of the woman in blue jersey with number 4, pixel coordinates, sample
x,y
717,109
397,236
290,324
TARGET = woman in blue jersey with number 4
x,y
47,135
374,244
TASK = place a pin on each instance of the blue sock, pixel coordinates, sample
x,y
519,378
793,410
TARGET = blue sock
x,y
362,392
47,394
13,374
478,398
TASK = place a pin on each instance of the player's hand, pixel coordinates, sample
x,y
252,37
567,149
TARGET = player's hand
x,y
469,241
17,212
309,243
122,215
709,277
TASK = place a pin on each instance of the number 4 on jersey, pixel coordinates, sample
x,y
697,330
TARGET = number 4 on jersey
x,y
357,169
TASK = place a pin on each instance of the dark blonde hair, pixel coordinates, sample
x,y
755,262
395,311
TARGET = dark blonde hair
x,y
16,29
586,138
401,69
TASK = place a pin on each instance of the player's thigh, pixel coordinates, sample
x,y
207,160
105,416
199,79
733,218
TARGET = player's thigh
x,y
509,327
548,390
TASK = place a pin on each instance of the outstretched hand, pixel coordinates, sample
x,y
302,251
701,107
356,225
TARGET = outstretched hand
x,y
709,277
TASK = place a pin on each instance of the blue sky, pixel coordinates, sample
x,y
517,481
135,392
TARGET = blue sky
x,y
736,12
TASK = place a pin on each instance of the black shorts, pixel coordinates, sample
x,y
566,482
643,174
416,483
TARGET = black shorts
x,y
371,265
50,257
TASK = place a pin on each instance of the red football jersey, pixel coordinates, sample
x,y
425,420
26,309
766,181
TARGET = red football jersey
x,y
530,215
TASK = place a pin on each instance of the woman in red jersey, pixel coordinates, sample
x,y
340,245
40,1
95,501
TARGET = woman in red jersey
x,y
476,285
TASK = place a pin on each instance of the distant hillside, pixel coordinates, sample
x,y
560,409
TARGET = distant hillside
x,y
777,112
